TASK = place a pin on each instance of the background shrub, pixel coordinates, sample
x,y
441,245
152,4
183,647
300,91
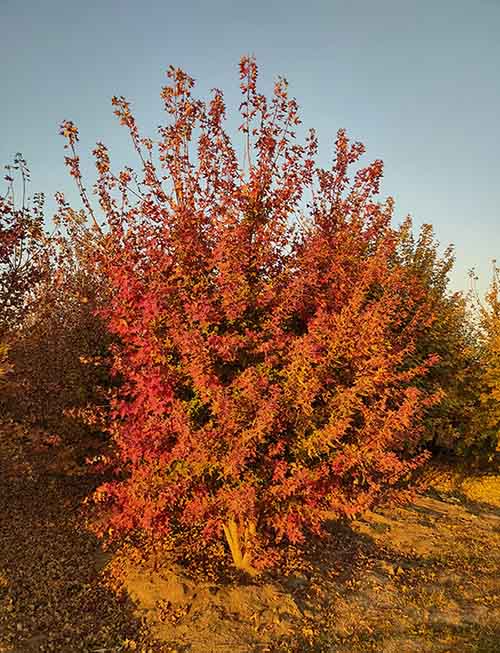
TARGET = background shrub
x,y
451,424
487,417
50,292
23,261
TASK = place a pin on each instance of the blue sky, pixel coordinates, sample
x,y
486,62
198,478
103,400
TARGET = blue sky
x,y
415,80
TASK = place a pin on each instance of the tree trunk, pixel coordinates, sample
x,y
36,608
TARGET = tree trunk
x,y
241,557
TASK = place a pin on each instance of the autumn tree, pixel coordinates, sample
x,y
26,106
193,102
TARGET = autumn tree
x,y
266,341
487,423
452,336
49,291
22,245
23,263
60,351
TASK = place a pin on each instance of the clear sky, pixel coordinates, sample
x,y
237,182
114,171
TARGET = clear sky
x,y
417,81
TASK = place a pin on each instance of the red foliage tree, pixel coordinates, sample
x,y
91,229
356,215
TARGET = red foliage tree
x,y
269,363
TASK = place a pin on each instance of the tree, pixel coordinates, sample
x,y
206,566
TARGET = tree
x,y
267,357
450,425
60,349
487,423
49,292
22,246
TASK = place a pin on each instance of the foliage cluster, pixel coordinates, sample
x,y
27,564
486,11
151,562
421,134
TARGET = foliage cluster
x,y
22,251
49,293
487,417
450,425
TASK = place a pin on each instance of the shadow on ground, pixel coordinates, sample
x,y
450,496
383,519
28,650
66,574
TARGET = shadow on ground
x,y
52,597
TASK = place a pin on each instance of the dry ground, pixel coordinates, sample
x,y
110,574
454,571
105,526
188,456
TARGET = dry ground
x,y
422,578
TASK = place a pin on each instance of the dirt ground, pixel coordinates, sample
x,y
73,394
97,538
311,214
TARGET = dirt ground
x,y
421,578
